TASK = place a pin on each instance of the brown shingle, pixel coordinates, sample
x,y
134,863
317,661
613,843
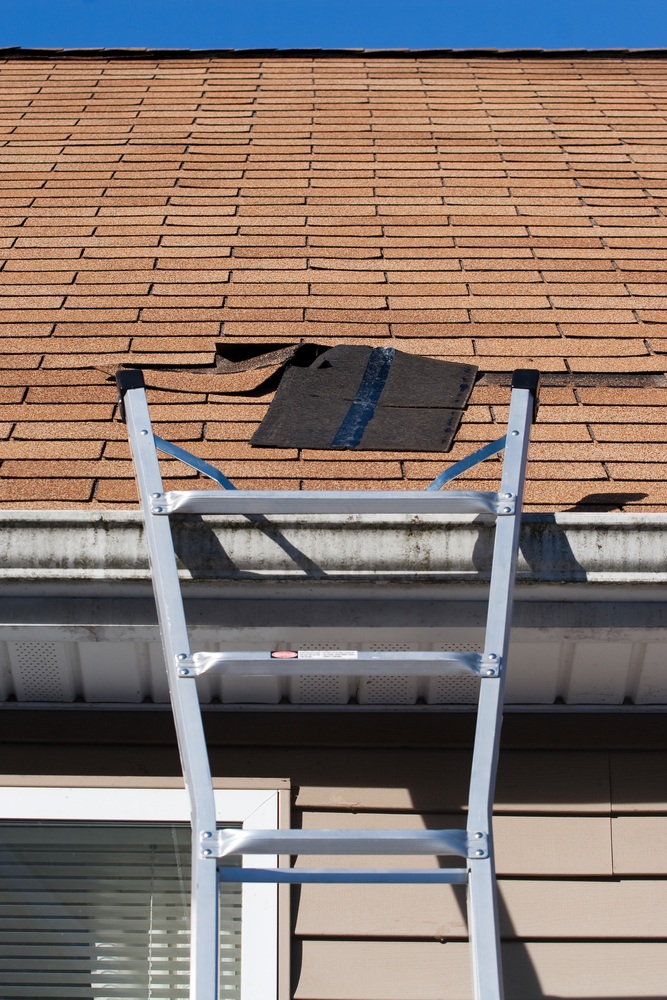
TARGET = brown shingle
x,y
504,213
44,489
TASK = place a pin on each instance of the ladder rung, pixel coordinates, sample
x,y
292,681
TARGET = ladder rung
x,y
341,663
386,875
332,502
222,843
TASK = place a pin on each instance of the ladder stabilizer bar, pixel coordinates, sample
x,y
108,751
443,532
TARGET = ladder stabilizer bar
x,y
195,463
469,462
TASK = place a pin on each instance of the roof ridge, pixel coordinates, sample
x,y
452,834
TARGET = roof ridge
x,y
139,52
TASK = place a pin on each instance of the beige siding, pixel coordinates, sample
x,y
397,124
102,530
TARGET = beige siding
x,y
430,781
574,924
528,909
640,845
638,781
379,970
583,904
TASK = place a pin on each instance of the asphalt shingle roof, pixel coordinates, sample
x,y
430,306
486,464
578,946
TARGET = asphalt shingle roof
x,y
500,209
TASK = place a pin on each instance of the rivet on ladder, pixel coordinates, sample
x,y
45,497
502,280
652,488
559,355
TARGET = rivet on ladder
x,y
478,854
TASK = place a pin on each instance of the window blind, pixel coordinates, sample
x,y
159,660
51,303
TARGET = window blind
x,y
98,910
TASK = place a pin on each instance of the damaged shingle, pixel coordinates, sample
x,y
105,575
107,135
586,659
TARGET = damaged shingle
x,y
231,358
368,399
236,369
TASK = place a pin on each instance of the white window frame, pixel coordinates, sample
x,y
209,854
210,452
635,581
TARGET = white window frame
x,y
255,809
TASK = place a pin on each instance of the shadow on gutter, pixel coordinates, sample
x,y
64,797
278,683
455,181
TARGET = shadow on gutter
x,y
544,545
206,560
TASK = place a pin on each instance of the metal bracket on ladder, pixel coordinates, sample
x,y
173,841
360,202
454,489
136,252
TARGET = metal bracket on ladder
x,y
209,845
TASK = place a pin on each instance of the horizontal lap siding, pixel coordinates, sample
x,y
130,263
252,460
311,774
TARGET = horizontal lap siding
x,y
581,842
437,781
420,970
581,834
545,908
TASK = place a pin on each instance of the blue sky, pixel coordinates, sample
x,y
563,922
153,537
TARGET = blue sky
x,y
334,23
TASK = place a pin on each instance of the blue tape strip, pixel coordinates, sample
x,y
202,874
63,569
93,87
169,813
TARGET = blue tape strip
x,y
355,421
467,463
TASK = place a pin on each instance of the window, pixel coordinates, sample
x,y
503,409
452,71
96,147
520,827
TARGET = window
x,y
94,895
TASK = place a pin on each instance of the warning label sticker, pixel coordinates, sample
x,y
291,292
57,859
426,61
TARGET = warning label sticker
x,y
328,654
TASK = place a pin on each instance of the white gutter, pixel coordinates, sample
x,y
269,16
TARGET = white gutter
x,y
110,546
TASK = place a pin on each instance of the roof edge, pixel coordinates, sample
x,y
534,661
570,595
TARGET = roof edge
x,y
16,51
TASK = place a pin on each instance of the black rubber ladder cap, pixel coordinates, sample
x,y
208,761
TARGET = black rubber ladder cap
x,y
128,378
528,378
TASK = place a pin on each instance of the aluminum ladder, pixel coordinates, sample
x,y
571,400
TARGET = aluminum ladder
x,y
209,844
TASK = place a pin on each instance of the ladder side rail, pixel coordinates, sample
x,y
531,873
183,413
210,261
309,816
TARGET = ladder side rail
x,y
184,699
482,893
